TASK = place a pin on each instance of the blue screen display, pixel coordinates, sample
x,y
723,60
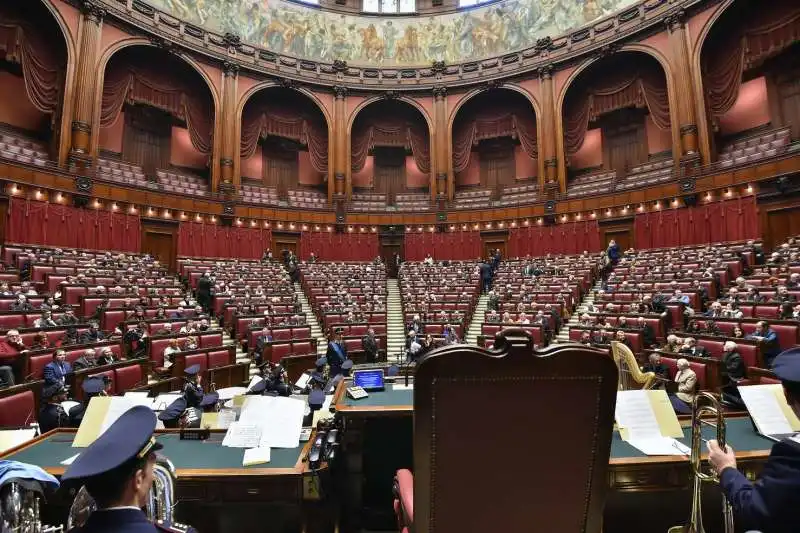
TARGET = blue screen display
x,y
369,379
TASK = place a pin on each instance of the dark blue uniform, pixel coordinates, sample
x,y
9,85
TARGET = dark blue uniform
x,y
117,521
772,503
336,356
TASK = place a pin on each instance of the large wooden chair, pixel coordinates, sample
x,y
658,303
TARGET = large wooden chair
x,y
509,439
631,376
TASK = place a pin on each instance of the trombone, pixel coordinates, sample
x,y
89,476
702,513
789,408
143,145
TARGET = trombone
x,y
704,404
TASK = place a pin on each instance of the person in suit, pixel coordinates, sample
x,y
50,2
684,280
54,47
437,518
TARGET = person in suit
x,y
204,286
771,502
93,334
765,334
117,471
613,252
648,335
417,325
661,370
193,389
68,318
92,386
370,345
45,320
715,311
262,340
336,353
733,370
686,380
690,347
56,370
52,415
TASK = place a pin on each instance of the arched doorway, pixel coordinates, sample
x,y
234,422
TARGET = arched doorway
x,y
33,67
617,127
390,157
284,148
156,122
495,150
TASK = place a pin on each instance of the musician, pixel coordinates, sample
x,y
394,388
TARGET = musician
x,y
117,470
655,366
193,389
52,415
92,386
771,503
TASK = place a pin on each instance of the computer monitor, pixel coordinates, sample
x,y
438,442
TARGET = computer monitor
x,y
369,380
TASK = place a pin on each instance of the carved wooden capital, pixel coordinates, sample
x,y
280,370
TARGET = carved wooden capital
x,y
340,91
675,20
439,92
545,72
230,69
391,95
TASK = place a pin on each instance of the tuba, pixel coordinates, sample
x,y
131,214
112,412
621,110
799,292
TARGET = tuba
x,y
20,502
158,508
704,404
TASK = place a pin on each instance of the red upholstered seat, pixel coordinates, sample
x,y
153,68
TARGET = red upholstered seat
x,y
434,329
375,318
380,329
282,334
700,369
111,318
89,306
352,345
27,338
128,377
302,348
209,341
37,364
279,351
55,335
12,321
74,355
714,347
17,409
749,353
219,358
787,334
157,347
489,329
767,311
304,332
356,330
197,359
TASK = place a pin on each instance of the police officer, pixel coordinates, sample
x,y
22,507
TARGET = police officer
x,y
771,503
193,389
92,386
336,354
52,415
276,381
117,471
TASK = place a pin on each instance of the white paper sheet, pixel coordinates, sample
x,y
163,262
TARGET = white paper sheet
x,y
302,381
762,403
255,456
242,436
403,386
225,418
69,460
69,404
12,438
229,392
163,400
253,381
280,419
139,398
119,405
635,413
659,446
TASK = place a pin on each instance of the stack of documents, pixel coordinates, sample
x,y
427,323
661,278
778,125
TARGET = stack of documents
x,y
769,410
646,420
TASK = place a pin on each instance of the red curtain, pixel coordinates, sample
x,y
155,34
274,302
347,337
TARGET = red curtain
x,y
729,220
33,222
490,125
330,246
456,245
196,239
412,136
569,238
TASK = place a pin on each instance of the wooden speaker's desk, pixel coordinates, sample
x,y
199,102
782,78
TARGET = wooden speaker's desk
x,y
642,487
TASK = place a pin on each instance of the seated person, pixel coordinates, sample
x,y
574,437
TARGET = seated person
x,y
690,347
621,337
686,380
40,341
193,389
733,370
21,304
52,415
170,351
106,356
87,360
93,334
68,318
661,370
648,336
765,334
56,371
45,320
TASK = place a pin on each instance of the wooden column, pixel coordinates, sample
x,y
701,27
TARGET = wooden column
x,y
229,183
548,147
684,89
439,159
90,28
341,160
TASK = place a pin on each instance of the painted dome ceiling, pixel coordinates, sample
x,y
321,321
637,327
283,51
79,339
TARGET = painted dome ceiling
x,y
312,33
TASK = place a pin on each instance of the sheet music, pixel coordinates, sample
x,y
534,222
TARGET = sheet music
x,y
635,414
280,419
228,393
762,403
139,398
256,456
225,418
116,408
659,446
242,436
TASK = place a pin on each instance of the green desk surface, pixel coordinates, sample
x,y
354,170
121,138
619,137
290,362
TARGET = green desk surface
x,y
385,398
184,454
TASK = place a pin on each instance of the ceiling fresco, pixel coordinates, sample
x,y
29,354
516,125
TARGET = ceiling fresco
x,y
312,33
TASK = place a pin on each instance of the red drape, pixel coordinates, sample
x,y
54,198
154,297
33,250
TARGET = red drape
x,y
259,123
520,125
456,245
729,220
569,238
391,132
196,239
330,246
33,222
